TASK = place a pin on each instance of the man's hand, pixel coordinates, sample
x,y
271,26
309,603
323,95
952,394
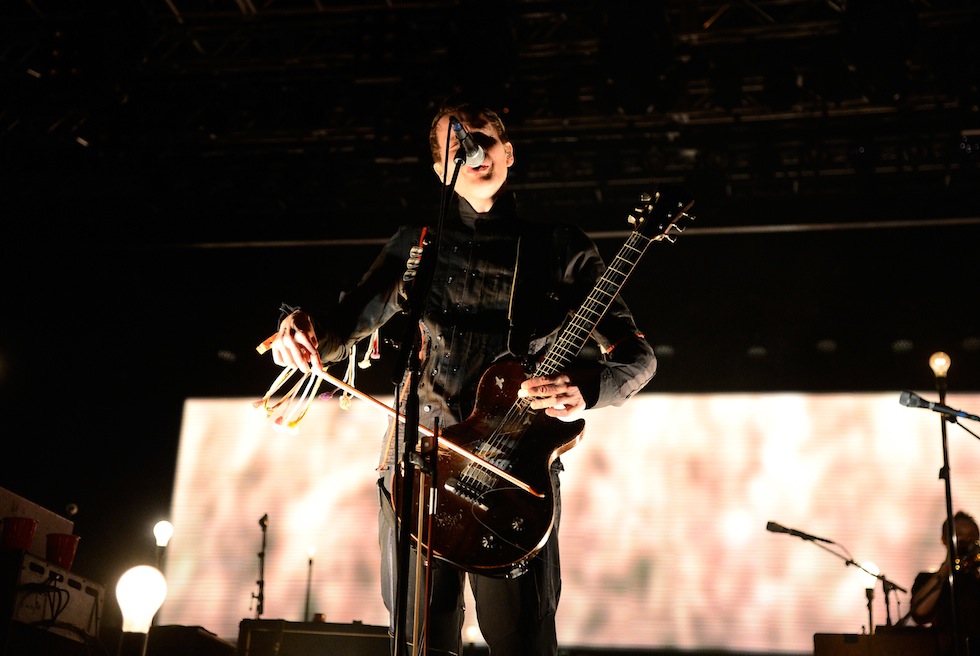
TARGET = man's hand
x,y
296,344
555,394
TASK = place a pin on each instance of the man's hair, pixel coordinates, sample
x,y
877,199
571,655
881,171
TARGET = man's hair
x,y
961,516
469,111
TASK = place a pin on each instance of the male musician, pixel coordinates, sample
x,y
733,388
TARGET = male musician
x,y
930,604
490,287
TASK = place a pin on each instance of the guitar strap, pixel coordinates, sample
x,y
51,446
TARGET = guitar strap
x,y
531,283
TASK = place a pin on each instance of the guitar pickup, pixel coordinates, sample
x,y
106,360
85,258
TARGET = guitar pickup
x,y
465,492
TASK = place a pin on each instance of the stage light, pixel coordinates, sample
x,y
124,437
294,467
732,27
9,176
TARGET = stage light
x,y
163,531
939,363
140,593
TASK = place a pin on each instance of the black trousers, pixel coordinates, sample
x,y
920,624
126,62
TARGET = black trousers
x,y
516,615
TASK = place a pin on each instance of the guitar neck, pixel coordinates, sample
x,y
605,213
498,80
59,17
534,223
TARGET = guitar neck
x,y
572,337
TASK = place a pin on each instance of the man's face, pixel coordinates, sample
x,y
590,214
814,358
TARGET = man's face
x,y
478,185
967,536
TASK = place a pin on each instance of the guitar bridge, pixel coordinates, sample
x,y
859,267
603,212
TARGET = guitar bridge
x,y
465,492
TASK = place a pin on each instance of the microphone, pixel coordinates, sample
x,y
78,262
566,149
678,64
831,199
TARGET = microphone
x,y
474,152
264,520
776,528
913,400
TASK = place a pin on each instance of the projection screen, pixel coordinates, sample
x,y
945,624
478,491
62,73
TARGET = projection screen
x,y
666,503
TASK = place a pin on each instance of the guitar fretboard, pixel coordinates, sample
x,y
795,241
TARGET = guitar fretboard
x,y
572,337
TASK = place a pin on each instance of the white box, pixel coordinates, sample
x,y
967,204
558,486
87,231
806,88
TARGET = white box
x,y
53,599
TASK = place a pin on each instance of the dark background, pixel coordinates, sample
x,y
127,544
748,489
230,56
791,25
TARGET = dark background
x,y
174,171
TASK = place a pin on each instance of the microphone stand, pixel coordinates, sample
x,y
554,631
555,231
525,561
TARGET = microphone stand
x,y
260,597
870,592
309,587
940,363
888,586
410,461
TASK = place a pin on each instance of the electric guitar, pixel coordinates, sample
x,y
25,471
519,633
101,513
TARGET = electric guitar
x,y
494,504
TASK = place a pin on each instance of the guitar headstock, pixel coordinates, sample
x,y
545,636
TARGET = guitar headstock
x,y
658,216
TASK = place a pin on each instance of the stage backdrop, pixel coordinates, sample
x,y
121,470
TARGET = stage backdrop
x,y
666,503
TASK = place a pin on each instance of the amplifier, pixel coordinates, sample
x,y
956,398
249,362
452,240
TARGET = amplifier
x,y
887,641
172,639
282,638
38,594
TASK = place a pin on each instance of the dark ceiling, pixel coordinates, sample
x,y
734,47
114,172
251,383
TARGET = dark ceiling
x,y
180,164
215,119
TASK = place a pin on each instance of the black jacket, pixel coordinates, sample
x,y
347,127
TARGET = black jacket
x,y
471,315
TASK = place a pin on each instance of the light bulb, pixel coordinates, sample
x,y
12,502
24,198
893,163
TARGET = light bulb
x,y
871,572
472,634
939,363
163,531
140,593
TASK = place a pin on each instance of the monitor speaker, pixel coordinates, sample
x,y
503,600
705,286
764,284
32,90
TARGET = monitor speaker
x,y
888,641
26,640
175,640
282,638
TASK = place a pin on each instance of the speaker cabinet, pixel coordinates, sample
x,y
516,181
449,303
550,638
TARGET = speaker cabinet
x,y
26,640
888,641
282,638
176,640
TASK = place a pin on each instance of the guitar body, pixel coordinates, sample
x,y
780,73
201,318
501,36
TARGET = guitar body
x,y
483,522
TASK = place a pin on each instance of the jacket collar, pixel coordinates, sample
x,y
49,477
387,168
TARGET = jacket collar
x,y
504,207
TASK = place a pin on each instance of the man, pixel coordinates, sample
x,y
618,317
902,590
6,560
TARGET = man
x,y
930,603
487,287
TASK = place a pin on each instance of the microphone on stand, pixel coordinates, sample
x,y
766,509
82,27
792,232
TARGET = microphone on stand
x,y
776,528
913,400
474,152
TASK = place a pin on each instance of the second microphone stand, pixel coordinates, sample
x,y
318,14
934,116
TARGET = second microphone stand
x,y
887,585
